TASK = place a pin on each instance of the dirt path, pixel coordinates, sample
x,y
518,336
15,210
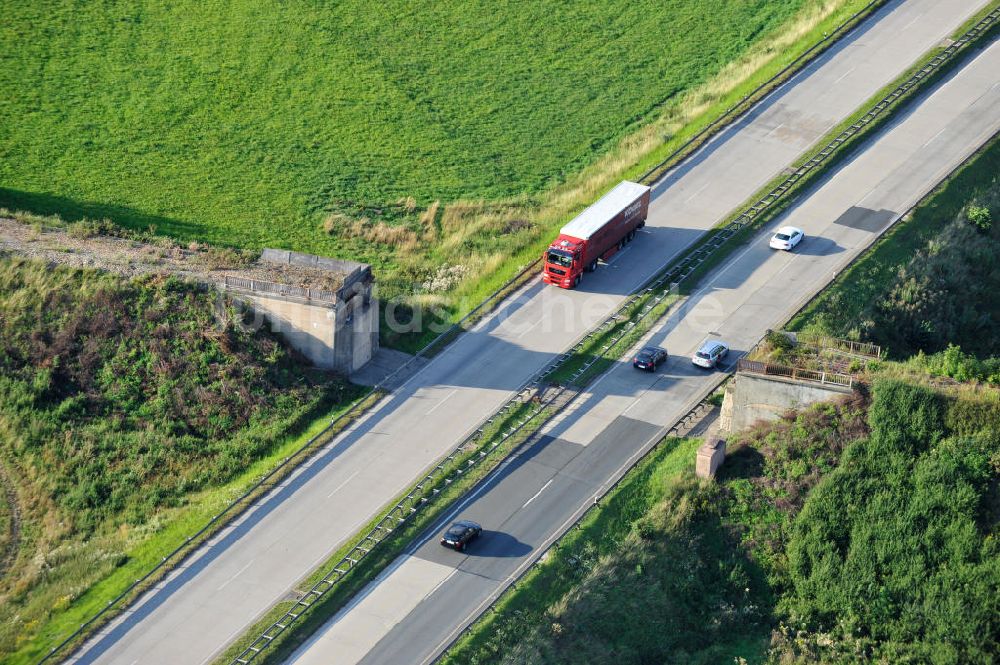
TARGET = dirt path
x,y
131,258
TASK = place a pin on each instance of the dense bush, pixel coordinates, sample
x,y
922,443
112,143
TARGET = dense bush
x,y
675,589
948,294
120,402
123,396
862,530
894,556
980,217
772,468
956,364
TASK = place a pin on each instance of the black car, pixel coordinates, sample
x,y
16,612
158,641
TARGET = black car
x,y
461,534
649,358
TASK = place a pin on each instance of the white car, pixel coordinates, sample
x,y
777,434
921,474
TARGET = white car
x,y
710,353
787,237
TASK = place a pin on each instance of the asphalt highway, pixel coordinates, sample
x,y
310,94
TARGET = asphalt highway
x,y
253,563
431,593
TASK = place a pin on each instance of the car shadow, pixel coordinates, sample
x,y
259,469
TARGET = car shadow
x,y
811,246
497,544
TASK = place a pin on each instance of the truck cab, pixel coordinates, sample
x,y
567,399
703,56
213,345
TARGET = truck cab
x,y
562,263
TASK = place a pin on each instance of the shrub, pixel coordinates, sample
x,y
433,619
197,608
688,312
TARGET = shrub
x,y
980,217
891,548
126,393
90,228
956,364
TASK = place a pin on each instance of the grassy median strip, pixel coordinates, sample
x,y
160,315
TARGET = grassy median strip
x,y
492,450
606,347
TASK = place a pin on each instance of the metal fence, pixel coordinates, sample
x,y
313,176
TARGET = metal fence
x,y
837,346
283,290
795,373
849,347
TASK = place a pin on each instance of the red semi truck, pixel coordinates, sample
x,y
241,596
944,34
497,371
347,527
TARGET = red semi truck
x,y
596,233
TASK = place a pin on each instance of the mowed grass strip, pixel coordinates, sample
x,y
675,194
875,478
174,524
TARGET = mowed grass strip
x,y
465,473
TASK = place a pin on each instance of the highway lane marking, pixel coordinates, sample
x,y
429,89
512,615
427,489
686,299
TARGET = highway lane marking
x,y
238,573
844,75
537,494
638,399
699,191
774,130
530,328
443,400
907,26
343,484
931,139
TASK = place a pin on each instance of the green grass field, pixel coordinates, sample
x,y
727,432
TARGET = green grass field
x,y
243,123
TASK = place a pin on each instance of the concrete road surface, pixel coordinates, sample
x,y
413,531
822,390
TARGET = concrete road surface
x,y
247,568
428,595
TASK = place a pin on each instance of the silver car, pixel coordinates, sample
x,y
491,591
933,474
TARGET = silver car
x,y
710,353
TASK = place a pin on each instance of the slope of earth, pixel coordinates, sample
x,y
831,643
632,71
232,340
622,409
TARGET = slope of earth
x,y
863,530
127,406
933,281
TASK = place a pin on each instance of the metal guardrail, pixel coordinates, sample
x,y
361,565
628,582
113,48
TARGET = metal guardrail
x,y
420,496
273,288
672,275
794,373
